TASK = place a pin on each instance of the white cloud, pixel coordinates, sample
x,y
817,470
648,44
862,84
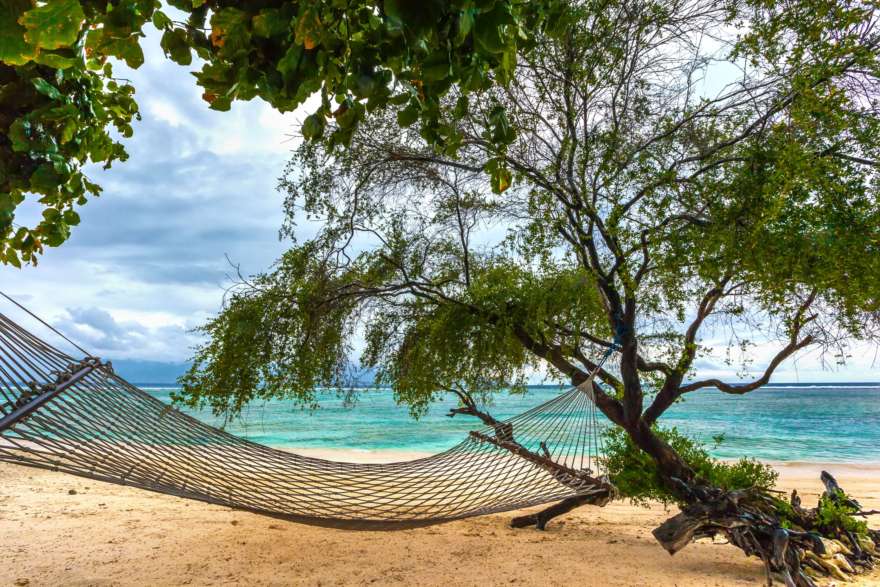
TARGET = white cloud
x,y
164,110
148,263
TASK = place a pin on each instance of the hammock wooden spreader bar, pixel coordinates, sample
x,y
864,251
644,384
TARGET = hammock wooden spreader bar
x,y
30,401
77,416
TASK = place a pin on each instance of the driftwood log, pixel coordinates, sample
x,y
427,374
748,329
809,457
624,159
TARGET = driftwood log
x,y
794,543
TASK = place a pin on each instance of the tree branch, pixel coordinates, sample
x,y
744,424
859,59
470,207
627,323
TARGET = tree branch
x,y
609,406
799,320
740,389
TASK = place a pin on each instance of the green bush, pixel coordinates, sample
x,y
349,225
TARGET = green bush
x,y
636,476
835,514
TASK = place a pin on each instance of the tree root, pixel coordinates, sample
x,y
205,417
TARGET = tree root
x,y
796,544
599,497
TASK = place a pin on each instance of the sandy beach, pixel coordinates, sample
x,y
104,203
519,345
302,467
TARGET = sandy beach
x,y
63,530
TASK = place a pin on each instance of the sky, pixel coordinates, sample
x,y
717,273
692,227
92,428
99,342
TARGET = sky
x,y
151,259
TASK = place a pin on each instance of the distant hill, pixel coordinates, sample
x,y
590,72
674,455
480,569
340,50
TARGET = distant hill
x,y
162,373
149,372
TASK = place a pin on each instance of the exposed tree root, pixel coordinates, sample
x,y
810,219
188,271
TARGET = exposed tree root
x,y
539,520
796,544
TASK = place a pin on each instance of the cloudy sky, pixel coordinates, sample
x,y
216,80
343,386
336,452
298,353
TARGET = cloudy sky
x,y
149,261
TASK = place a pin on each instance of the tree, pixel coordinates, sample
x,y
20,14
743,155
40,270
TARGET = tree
x,y
642,201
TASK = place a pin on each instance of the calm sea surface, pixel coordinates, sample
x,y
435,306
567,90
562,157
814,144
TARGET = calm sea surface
x,y
782,422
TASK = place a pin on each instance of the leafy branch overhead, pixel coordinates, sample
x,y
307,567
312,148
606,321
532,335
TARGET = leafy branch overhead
x,y
60,106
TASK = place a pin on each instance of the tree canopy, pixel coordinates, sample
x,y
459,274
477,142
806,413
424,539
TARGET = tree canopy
x,y
61,106
656,169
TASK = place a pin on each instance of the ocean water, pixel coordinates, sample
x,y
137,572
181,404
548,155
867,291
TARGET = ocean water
x,y
780,422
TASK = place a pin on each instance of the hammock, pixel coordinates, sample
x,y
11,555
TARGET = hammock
x,y
77,416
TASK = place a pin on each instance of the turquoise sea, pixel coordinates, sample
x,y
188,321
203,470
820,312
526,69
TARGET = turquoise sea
x,y
783,422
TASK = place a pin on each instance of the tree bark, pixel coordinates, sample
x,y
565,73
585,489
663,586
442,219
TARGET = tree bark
x,y
794,543
676,473
539,520
791,541
794,546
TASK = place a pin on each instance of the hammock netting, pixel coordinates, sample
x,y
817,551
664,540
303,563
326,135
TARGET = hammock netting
x,y
75,415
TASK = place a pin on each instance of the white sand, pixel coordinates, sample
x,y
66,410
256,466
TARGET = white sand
x,y
110,535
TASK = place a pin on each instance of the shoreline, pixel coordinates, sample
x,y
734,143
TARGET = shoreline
x,y
387,456
369,455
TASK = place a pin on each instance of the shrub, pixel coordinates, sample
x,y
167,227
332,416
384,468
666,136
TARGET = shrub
x,y
637,477
835,514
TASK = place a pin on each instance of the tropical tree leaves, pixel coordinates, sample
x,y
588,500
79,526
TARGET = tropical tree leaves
x,y
359,56
14,48
58,103
53,25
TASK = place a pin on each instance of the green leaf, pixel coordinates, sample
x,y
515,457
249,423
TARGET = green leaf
x,y
465,25
127,49
416,17
500,175
51,215
288,66
56,61
176,46
7,203
271,22
461,107
55,24
490,28
19,134
313,127
229,30
365,85
71,217
507,65
12,258
69,130
46,88
408,115
501,131
161,20
14,49
436,67
56,234
45,180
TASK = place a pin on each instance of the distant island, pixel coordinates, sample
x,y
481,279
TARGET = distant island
x,y
149,372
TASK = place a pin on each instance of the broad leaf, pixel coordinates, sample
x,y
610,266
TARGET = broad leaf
x,y
55,24
14,49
